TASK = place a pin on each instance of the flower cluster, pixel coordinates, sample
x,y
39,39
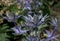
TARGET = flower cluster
x,y
29,20
50,35
32,23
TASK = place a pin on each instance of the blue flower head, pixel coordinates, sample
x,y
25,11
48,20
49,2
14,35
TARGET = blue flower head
x,y
11,17
27,4
54,22
18,30
51,36
35,20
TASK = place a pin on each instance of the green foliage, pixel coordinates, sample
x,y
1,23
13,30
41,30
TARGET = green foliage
x,y
57,5
3,34
42,27
3,28
3,37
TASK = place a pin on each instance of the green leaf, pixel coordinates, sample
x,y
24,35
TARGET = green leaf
x,y
42,26
3,28
3,37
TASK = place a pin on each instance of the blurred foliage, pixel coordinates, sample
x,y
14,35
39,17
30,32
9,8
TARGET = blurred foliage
x,y
57,5
9,5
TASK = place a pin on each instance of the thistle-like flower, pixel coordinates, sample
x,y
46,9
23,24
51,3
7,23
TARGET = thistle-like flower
x,y
35,20
11,17
51,36
27,4
18,30
31,38
54,22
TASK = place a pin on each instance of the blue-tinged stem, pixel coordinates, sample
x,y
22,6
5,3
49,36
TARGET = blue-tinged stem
x,y
30,38
36,29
